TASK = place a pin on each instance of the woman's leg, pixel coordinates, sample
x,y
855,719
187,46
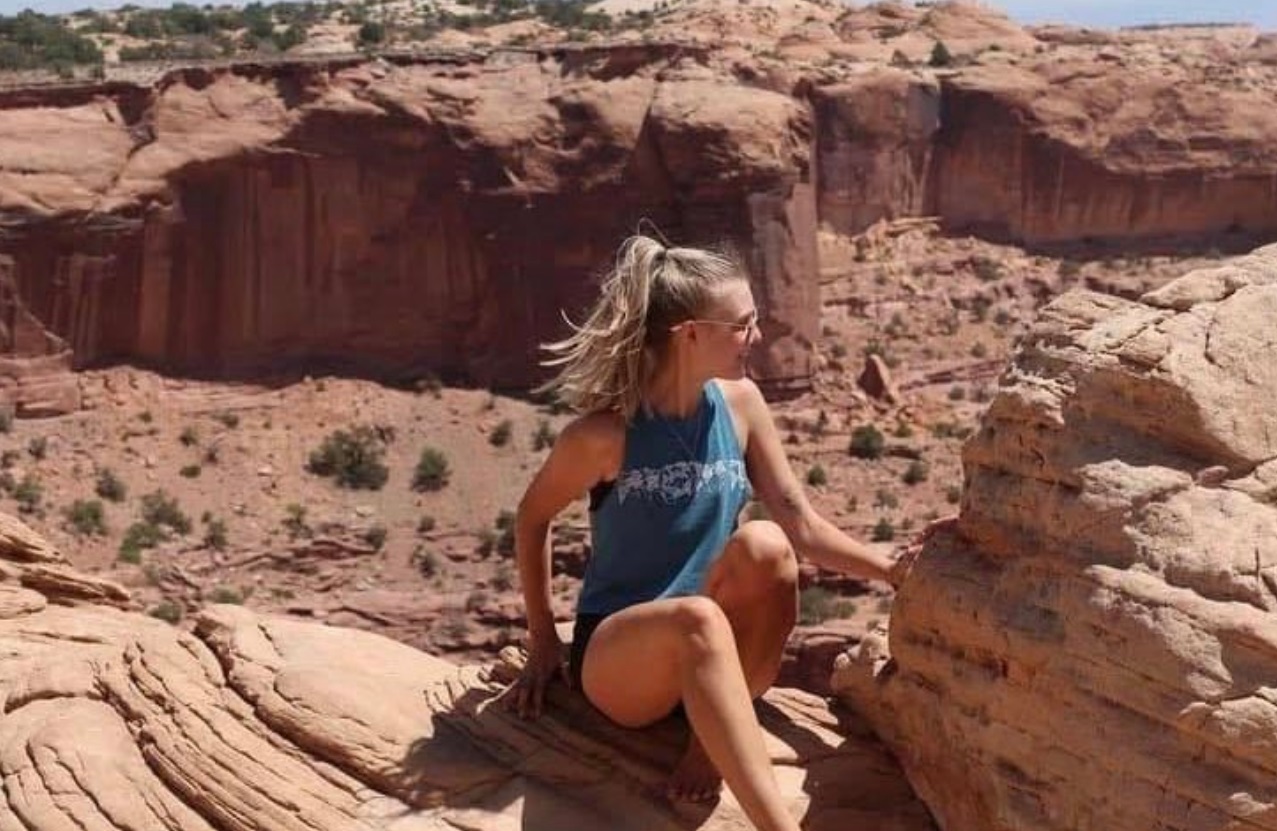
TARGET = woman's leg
x,y
755,582
687,653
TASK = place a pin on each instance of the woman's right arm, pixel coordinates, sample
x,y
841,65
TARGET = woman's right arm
x,y
579,460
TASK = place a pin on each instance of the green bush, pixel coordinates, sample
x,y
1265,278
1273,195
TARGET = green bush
x,y
916,472
432,472
375,536
544,436
215,535
816,476
425,525
6,421
817,604
161,510
226,594
109,486
500,435
190,471
867,442
28,493
139,536
166,610
940,55
86,517
29,40
371,33
353,458
38,447
295,521
884,531
189,437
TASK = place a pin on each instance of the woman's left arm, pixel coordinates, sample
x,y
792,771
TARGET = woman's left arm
x,y
812,535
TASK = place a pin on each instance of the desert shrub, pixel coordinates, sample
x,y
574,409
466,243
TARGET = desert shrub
x,y
189,437
166,610
353,458
476,600
215,534
375,536
190,471
86,517
953,494
109,486
139,536
38,447
294,521
884,498
916,472
817,604
226,594
432,471
371,33
503,579
867,442
426,524
6,420
987,269
816,476
228,419
29,493
162,510
957,393
884,531
498,539
544,436
500,435
428,563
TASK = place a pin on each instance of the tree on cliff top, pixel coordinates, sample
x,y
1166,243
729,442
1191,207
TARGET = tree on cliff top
x,y
940,55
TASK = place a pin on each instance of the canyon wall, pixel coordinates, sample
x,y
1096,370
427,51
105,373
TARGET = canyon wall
x,y
393,221
437,216
1093,644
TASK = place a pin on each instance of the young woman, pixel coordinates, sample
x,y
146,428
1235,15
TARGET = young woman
x,y
681,604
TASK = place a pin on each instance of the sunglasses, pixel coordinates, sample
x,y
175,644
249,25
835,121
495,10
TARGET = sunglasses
x,y
737,325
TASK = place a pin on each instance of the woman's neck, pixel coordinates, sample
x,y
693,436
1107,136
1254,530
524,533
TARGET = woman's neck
x,y
673,391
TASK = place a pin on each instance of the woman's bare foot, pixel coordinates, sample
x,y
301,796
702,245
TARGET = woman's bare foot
x,y
695,779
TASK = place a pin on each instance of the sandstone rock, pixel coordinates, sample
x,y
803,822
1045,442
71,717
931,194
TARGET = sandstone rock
x,y
875,379
1094,646
116,720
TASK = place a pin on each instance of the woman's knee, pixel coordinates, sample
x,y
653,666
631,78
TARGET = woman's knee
x,y
762,548
702,623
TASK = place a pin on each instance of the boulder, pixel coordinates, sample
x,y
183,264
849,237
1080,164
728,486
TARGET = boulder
x,y
1094,645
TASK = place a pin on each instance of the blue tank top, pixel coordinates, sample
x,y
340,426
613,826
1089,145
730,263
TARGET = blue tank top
x,y
666,517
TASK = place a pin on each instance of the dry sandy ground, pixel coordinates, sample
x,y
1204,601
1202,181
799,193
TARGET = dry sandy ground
x,y
944,312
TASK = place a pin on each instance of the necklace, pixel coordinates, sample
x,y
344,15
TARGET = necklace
x,y
688,449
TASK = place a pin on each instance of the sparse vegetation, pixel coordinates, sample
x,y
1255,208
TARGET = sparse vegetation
x,y
86,517
166,610
432,472
215,534
544,436
940,55
109,486
500,435
425,525
38,447
867,442
294,521
353,458
816,476
916,473
817,604
375,536
138,537
884,531
6,420
228,419
161,510
428,564
29,493
226,594
190,471
953,494
189,437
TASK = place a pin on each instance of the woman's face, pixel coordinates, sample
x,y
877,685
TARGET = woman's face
x,y
726,329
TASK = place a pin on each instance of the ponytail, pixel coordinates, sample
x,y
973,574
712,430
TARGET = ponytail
x,y
607,360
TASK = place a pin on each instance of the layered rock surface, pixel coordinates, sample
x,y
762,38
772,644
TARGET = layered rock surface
x,y
116,720
1094,646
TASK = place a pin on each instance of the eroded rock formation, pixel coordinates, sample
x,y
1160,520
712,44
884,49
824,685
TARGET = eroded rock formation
x,y
393,220
116,720
1094,646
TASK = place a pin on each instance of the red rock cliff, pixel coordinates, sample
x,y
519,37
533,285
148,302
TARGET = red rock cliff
x,y
392,220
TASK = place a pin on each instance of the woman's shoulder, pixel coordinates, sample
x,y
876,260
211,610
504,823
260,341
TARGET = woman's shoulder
x,y
595,431
741,394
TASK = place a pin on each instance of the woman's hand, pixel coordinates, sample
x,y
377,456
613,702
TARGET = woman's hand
x,y
545,660
908,553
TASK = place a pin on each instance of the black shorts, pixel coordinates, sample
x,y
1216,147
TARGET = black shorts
x,y
582,631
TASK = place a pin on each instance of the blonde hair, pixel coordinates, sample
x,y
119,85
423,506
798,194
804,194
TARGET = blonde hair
x,y
607,360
